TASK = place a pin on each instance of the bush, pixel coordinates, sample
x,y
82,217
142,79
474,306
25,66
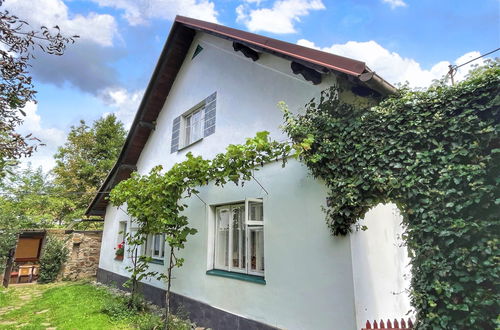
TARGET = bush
x,y
135,309
54,255
116,308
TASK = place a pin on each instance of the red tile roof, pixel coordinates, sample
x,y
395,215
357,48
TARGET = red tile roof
x,y
313,56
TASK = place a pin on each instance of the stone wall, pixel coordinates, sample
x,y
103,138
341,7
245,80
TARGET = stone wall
x,y
84,249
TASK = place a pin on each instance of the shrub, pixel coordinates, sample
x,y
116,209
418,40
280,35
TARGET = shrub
x,y
54,255
116,308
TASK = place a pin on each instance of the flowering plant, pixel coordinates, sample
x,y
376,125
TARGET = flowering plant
x,y
120,249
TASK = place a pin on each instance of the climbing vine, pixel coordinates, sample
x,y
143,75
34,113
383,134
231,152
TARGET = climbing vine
x,y
155,200
436,154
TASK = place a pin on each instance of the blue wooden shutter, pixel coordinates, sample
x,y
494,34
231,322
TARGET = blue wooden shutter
x,y
210,105
176,130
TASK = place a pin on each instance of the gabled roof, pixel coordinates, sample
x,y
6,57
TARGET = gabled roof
x,y
171,58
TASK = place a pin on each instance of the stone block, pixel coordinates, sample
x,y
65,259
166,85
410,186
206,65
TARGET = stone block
x,y
77,238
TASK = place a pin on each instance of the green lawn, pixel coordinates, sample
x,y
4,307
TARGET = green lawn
x,y
67,305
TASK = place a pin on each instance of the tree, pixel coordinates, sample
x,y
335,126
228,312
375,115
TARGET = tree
x,y
86,158
18,43
29,199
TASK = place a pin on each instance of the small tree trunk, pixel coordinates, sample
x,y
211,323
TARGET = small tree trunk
x,y
135,284
9,264
134,277
169,281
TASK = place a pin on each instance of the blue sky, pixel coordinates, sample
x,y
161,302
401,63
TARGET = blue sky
x,y
108,68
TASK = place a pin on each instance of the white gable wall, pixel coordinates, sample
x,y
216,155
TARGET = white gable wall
x,y
247,97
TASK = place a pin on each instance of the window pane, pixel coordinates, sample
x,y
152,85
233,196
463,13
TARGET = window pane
x,y
122,230
256,249
238,248
147,247
222,238
162,246
196,125
256,212
188,130
157,245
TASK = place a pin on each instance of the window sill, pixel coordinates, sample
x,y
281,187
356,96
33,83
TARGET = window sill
x,y
156,261
237,276
189,145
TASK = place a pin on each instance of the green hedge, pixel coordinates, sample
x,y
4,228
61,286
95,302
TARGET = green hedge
x,y
436,154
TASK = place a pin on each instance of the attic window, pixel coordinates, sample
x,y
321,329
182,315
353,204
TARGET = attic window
x,y
194,125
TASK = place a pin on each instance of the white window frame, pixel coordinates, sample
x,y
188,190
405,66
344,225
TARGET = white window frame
x,y
249,225
187,138
122,231
149,247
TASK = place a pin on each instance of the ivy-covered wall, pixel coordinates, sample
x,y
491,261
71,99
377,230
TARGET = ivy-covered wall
x,y
436,154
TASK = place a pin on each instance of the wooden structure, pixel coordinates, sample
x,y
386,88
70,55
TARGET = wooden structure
x,y
23,258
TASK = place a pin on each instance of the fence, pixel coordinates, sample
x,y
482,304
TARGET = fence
x,y
401,325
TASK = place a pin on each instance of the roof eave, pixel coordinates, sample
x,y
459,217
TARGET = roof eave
x,y
103,191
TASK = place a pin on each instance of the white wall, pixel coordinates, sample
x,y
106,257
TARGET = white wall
x,y
380,266
308,272
110,239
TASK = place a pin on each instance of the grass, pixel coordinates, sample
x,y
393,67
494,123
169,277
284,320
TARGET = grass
x,y
69,305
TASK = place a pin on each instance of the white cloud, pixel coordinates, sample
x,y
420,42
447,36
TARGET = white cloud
x,y
392,66
97,28
51,137
280,18
140,11
462,71
395,3
125,103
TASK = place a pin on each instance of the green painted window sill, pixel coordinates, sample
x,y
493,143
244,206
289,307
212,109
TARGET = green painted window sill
x,y
237,276
156,261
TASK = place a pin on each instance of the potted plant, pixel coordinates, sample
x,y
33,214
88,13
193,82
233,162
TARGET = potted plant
x,y
119,251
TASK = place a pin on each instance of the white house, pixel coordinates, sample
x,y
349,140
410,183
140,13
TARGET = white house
x,y
281,267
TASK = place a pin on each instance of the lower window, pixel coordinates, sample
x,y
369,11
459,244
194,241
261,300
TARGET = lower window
x,y
155,246
239,237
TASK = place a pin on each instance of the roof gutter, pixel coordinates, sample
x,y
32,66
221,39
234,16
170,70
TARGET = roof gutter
x,y
377,83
